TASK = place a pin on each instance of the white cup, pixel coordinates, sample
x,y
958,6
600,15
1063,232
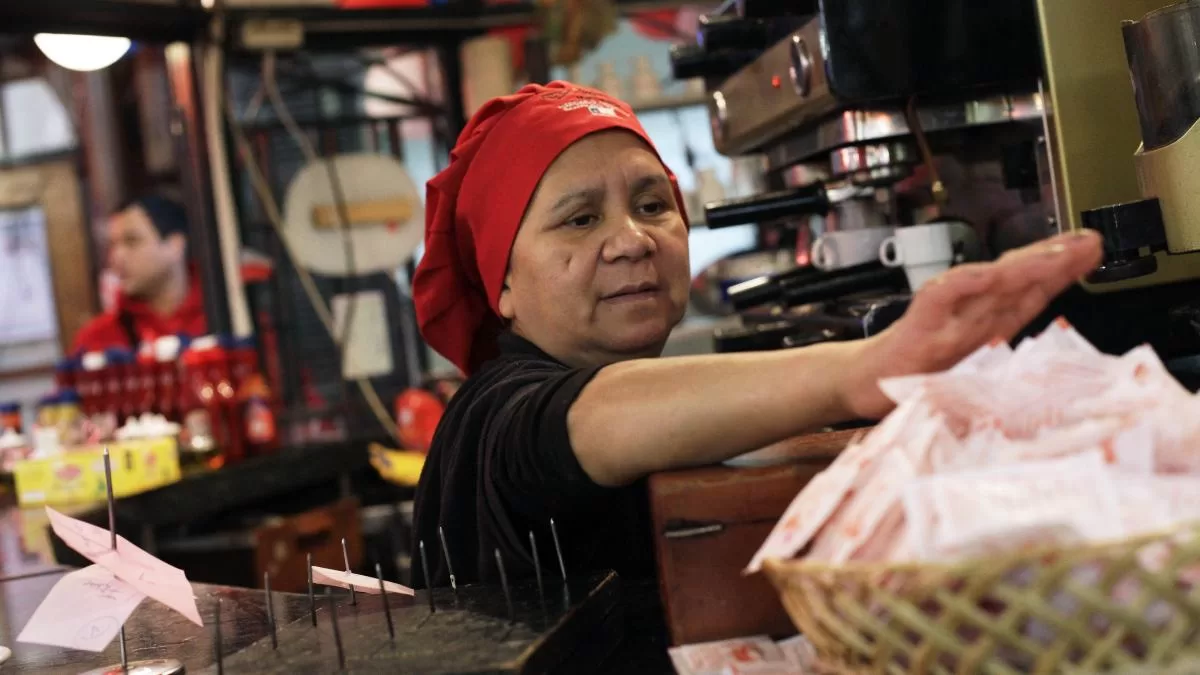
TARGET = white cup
x,y
835,250
924,251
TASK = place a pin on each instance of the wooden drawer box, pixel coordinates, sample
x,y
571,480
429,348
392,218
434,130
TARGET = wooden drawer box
x,y
708,523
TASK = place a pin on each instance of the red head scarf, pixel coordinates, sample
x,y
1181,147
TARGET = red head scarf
x,y
474,207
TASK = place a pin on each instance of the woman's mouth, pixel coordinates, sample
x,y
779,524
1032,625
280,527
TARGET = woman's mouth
x,y
632,293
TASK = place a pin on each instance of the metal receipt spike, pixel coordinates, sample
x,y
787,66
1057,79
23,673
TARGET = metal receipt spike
x,y
337,632
112,539
270,610
387,609
346,558
220,658
312,598
558,549
446,556
428,579
537,566
149,666
504,584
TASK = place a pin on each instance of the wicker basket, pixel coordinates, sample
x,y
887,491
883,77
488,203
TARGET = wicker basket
x,y
1066,610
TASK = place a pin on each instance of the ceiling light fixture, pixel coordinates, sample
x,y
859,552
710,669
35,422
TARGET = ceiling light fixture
x,y
82,52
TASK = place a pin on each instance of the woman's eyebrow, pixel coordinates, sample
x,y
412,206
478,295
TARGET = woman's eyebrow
x,y
649,181
584,195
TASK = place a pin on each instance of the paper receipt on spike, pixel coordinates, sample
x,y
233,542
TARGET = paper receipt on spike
x,y
149,575
85,610
328,577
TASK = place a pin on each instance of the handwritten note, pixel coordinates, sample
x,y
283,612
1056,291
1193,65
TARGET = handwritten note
x,y
149,575
85,610
327,577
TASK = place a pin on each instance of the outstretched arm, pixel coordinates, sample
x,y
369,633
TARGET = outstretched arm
x,y
647,415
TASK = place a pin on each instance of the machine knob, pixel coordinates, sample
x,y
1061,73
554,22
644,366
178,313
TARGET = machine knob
x,y
801,66
689,61
772,8
732,32
1127,229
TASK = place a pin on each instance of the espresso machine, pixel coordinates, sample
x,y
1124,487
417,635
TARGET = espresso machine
x,y
1156,237
1015,120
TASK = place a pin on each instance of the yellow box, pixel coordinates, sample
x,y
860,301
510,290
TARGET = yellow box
x,y
77,477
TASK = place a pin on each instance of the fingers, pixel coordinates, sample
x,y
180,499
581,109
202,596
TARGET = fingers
x,y
1005,295
1054,264
942,297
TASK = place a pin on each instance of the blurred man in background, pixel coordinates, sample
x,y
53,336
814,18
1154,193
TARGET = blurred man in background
x,y
159,295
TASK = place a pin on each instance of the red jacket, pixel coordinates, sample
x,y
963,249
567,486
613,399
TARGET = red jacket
x,y
109,329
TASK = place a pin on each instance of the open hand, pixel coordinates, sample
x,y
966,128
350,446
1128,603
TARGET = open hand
x,y
965,308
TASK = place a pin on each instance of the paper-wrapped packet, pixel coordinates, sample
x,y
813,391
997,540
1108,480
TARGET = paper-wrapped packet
x,y
713,658
983,512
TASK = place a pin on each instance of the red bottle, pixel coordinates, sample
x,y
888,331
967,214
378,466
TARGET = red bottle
x,y
167,376
243,361
143,380
64,374
90,385
230,430
116,380
196,395
254,399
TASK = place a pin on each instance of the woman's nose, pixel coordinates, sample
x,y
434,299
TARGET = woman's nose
x,y
628,241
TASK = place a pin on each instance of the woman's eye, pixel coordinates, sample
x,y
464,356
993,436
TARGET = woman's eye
x,y
581,221
652,208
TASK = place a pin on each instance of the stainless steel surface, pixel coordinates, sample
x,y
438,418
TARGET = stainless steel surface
x,y
869,126
856,214
1165,65
855,158
718,115
779,92
802,66
874,163
799,175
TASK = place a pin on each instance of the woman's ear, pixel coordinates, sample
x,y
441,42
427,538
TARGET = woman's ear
x,y
507,310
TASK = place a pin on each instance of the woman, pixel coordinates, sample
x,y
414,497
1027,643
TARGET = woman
x,y
556,265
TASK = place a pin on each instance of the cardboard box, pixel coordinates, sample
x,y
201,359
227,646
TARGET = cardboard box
x,y
77,477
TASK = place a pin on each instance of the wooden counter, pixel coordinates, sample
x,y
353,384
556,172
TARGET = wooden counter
x,y
708,523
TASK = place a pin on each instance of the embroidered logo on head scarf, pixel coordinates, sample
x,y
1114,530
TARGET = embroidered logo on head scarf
x,y
598,108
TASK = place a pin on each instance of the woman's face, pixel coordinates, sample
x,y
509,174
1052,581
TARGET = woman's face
x,y
599,270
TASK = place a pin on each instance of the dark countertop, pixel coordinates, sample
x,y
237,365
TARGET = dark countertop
x,y
28,571
152,631
156,632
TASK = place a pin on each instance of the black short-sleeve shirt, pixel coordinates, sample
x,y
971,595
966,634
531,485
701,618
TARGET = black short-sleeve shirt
x,y
501,465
